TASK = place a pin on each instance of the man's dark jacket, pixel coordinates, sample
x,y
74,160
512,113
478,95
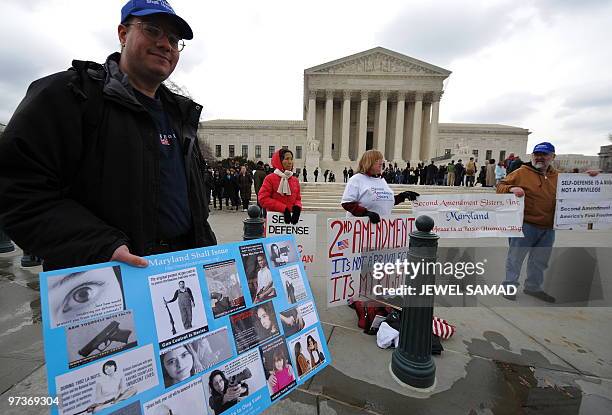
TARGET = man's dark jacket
x,y
258,178
75,186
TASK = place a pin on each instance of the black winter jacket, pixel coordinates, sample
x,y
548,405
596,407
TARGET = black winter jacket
x,y
74,187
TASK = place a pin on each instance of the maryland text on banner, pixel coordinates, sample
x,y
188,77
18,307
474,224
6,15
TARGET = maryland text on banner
x,y
473,215
354,245
216,330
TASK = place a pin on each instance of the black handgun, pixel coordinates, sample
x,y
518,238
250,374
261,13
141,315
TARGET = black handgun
x,y
109,334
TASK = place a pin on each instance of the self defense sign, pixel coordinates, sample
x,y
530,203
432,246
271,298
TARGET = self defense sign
x,y
220,330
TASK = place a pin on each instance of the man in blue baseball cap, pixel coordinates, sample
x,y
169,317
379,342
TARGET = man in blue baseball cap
x,y
536,181
102,162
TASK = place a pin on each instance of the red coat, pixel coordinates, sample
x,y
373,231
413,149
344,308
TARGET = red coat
x,y
268,196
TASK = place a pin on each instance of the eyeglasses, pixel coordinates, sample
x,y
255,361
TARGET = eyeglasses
x,y
156,33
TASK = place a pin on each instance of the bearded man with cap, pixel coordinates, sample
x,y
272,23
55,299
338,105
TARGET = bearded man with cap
x,y
101,162
536,181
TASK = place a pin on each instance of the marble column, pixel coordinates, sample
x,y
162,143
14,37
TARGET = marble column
x,y
346,126
329,116
312,114
363,124
399,129
415,151
425,129
382,123
433,131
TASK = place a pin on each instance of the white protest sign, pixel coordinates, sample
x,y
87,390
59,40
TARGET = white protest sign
x,y
305,233
583,200
473,215
354,244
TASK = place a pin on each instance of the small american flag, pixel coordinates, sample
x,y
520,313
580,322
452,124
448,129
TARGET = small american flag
x,y
343,244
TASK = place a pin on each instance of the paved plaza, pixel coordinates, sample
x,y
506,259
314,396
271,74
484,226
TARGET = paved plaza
x,y
502,360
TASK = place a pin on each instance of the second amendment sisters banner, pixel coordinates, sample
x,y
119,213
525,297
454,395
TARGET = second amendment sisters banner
x,y
473,215
354,244
217,330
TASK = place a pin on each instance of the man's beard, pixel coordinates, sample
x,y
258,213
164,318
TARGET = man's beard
x,y
539,165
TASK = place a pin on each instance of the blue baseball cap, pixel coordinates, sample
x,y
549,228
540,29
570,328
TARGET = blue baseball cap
x,y
148,7
544,147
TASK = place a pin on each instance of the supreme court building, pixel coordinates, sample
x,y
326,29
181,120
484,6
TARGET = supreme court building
x,y
374,99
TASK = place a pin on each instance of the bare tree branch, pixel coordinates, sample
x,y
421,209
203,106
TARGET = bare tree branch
x,y
177,89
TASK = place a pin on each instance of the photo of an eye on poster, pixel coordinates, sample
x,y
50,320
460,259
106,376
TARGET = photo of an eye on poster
x,y
83,295
189,333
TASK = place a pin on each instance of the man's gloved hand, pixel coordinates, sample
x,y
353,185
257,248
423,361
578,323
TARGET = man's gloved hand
x,y
296,214
287,215
407,195
374,217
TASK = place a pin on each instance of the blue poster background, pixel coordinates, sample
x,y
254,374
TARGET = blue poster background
x,y
137,298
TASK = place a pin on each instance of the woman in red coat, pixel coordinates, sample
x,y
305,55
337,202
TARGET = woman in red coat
x,y
280,191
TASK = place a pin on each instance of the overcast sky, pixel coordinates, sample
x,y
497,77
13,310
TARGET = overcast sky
x,y
545,65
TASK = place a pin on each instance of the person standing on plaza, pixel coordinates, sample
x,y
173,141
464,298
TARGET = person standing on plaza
x,y
259,176
440,176
450,169
470,172
482,176
245,181
516,163
280,191
345,174
228,188
536,181
316,174
305,174
102,162
500,172
508,161
258,179
459,173
368,194
431,174
490,174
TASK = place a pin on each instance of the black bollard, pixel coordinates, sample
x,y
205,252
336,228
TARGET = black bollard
x,y
411,362
5,243
254,225
28,260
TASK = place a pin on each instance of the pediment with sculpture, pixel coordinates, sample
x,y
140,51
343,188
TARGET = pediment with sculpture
x,y
378,61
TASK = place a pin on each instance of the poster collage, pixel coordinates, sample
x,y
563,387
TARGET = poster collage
x,y
218,330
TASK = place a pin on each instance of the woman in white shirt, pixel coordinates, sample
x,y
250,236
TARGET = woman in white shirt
x,y
368,194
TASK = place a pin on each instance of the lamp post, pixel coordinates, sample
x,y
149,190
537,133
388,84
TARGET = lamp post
x,y
411,363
